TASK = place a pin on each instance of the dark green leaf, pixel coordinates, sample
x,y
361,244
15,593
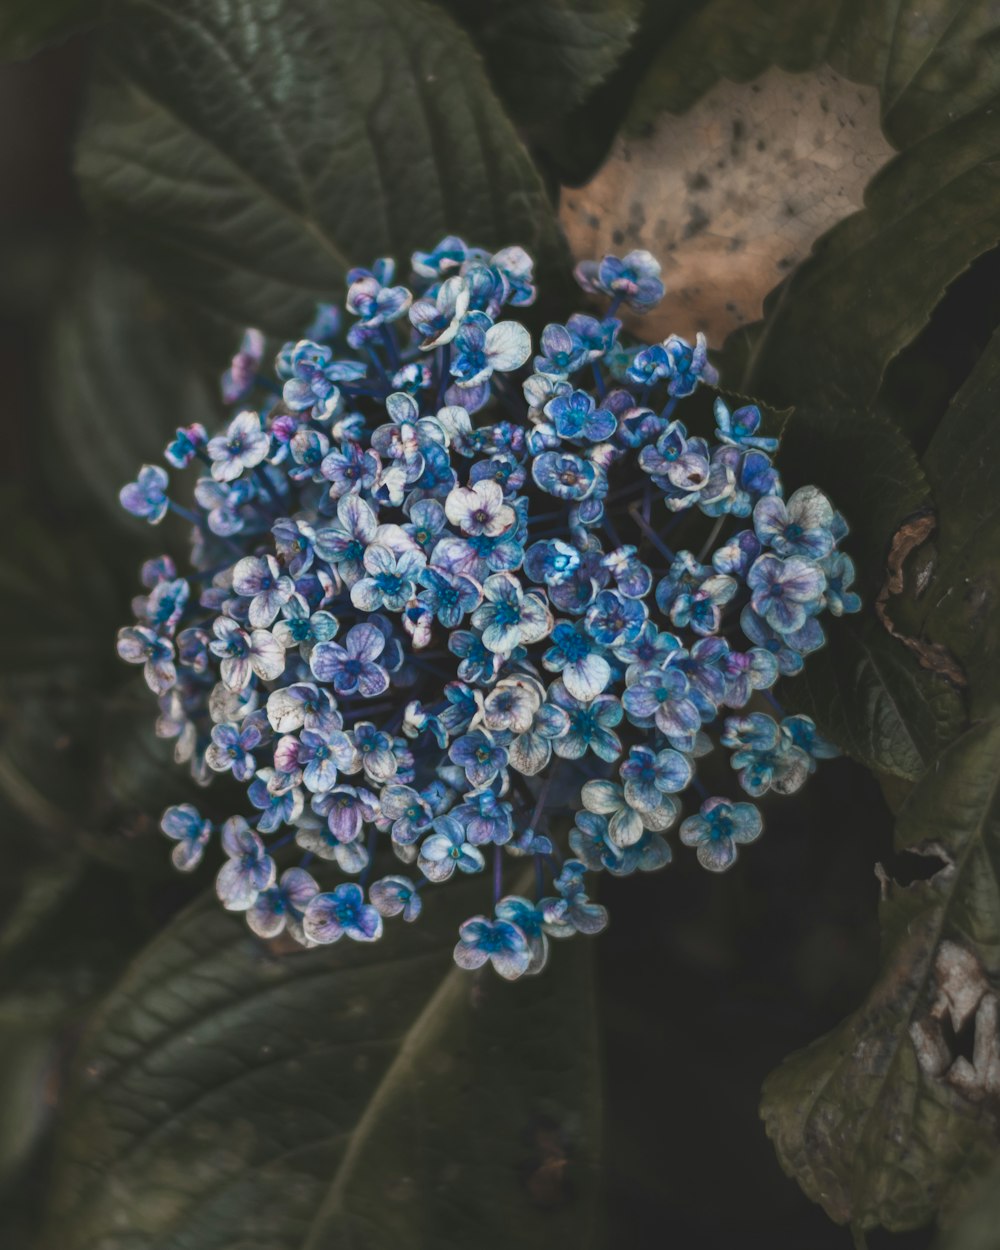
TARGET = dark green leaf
x,y
874,700
957,608
866,689
976,1226
27,26
233,1094
547,55
250,158
884,1120
122,380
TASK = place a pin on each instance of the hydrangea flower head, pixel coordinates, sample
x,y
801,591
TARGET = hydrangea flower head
x,y
451,614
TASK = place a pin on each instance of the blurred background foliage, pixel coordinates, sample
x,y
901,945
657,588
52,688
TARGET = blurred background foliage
x,y
169,174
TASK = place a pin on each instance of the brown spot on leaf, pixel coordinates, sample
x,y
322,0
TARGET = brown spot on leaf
x,y
930,655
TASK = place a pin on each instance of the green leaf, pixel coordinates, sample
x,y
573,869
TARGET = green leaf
x,y
27,26
976,1226
251,158
872,698
957,608
884,1121
232,1093
547,55
866,689
123,379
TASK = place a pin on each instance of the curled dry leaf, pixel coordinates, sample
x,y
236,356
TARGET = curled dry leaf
x,y
732,194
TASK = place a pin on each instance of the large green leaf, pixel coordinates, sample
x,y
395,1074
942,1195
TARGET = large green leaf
x,y
26,26
251,156
547,55
866,688
958,605
123,379
885,1120
231,1094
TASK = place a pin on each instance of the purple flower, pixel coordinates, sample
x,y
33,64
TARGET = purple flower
x,y
143,646
191,833
785,592
259,578
283,906
499,942
394,896
243,446
146,497
718,829
249,869
232,749
352,668
342,913
446,849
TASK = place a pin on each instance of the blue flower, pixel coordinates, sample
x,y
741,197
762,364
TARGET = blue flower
x,y
577,417
156,655
352,668
591,725
572,912
802,527
391,580
485,818
408,813
445,258
529,919
498,941
184,824
478,352
232,749
562,353
283,906
276,809
580,660
551,562
342,913
838,569
510,617
718,829
739,428
394,896
649,775
785,592
447,849
259,578
249,869
634,279
302,628
243,446
146,497
480,509
564,476
626,822
663,698
345,809
188,442
372,299
480,756
614,621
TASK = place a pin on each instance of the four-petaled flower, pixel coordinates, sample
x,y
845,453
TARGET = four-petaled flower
x,y
718,829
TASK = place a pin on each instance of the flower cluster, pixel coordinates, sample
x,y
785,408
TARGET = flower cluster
x,y
450,603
